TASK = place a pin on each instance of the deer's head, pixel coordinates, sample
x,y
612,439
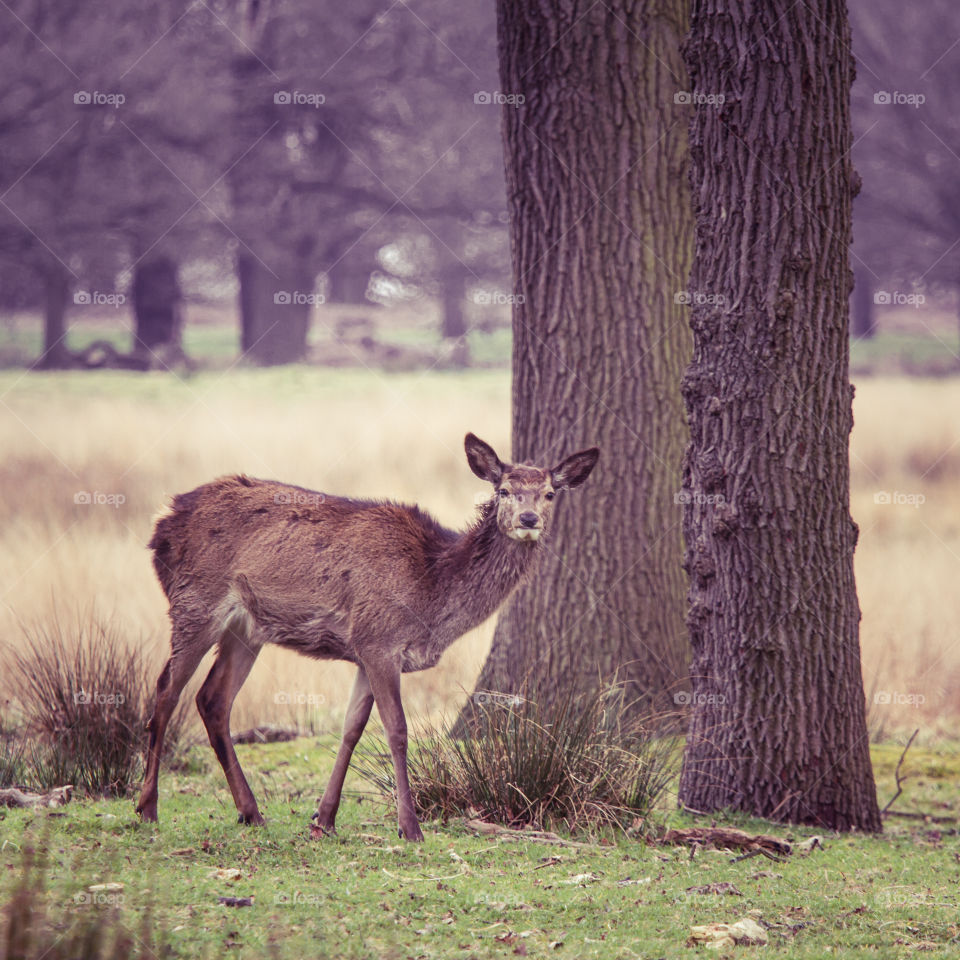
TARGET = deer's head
x,y
525,493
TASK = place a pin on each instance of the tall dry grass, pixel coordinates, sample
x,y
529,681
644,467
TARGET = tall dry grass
x,y
144,437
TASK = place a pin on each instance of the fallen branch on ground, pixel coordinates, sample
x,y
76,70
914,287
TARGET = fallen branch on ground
x,y
57,797
725,838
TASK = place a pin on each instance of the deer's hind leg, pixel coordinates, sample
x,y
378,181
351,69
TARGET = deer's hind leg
x,y
235,658
188,648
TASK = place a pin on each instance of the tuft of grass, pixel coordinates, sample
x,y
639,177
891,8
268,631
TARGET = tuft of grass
x,y
85,701
577,763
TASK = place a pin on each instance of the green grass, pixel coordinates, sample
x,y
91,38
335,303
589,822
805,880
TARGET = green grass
x,y
924,353
366,894
218,344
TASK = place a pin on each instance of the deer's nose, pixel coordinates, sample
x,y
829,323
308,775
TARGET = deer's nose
x,y
529,519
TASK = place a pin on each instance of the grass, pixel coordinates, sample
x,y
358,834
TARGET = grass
x,y
578,764
366,895
84,699
211,337
365,433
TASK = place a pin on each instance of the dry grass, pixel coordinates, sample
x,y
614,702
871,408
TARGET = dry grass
x,y
146,437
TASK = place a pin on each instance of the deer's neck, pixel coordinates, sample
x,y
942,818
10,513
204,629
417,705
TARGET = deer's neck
x,y
478,571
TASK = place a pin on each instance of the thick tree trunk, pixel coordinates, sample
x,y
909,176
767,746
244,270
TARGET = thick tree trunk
x,y
777,726
864,324
55,354
156,304
274,312
602,242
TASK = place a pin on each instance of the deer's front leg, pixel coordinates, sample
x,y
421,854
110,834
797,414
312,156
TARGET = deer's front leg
x,y
385,682
358,712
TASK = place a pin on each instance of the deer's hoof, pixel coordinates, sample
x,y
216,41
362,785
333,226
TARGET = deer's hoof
x,y
254,818
414,833
320,830
147,814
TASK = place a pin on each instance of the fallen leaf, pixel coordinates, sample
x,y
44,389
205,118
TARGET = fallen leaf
x,y
226,873
105,887
583,879
236,901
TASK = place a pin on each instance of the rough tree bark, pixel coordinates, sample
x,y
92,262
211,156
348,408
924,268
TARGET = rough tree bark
x,y
601,244
777,725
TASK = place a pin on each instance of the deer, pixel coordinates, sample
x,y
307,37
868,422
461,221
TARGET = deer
x,y
246,562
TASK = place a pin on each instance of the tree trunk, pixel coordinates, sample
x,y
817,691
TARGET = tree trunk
x,y
864,323
602,242
55,354
347,282
156,304
274,312
453,292
777,725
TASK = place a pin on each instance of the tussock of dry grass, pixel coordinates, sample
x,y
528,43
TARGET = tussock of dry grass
x,y
365,434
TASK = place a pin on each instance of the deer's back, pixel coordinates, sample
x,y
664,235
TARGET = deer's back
x,y
300,552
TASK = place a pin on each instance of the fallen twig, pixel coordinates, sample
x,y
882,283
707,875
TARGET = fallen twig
x,y
538,836
896,774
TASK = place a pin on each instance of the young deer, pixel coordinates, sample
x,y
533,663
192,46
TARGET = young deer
x,y
248,562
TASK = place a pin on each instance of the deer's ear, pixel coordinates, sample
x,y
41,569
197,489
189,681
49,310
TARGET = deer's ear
x,y
575,469
483,461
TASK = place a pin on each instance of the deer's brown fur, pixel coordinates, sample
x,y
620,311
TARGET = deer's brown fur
x,y
248,562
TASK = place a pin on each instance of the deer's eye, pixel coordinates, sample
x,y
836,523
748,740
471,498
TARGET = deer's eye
x,y
549,496
503,493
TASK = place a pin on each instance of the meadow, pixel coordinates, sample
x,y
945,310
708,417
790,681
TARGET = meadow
x,y
127,442
88,460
